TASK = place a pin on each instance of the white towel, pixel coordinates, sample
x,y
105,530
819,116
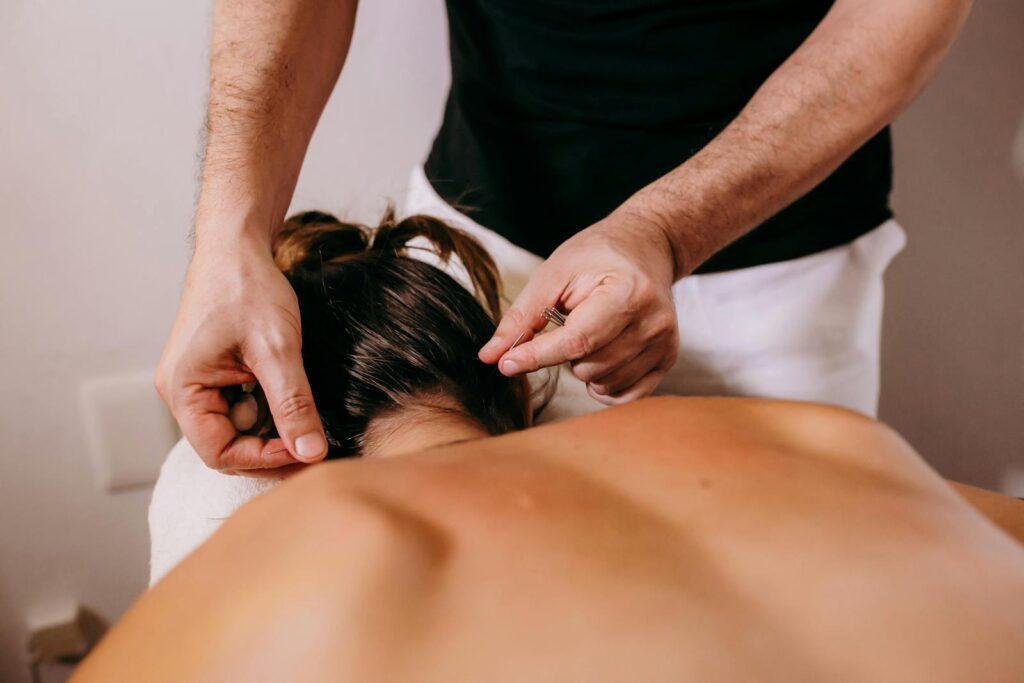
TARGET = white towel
x,y
189,502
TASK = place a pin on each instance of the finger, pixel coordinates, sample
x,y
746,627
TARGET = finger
x,y
280,473
280,373
643,332
617,353
644,387
524,316
629,374
203,417
248,454
598,319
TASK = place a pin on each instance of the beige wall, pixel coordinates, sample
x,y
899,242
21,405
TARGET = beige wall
x,y
953,355
98,133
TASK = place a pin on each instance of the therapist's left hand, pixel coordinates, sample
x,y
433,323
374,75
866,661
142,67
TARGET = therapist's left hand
x,y
614,280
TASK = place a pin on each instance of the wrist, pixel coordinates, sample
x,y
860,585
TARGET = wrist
x,y
656,231
229,233
233,218
245,205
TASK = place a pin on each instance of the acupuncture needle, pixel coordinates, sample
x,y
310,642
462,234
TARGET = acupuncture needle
x,y
518,339
552,315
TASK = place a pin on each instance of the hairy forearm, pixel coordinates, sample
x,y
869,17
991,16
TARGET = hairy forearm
x,y
862,65
273,64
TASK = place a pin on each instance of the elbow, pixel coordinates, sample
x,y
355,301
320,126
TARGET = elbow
x,y
943,22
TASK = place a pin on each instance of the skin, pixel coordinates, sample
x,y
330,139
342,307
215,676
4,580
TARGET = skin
x,y
672,539
273,65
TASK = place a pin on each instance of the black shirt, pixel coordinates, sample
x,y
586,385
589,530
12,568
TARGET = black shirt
x,y
559,110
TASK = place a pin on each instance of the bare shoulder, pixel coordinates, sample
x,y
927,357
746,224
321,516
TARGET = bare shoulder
x,y
351,496
794,425
319,556
718,434
695,434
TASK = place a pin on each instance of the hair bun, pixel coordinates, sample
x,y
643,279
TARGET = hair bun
x,y
311,239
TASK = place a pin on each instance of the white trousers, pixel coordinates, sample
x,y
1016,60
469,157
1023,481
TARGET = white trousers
x,y
808,329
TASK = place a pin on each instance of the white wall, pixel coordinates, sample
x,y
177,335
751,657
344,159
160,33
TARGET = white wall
x,y
99,120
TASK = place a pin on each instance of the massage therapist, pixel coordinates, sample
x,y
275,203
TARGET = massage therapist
x,y
708,182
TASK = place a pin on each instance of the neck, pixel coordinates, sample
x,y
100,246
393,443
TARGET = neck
x,y
417,428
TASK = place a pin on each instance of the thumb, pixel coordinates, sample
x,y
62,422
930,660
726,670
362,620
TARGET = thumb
x,y
291,403
525,316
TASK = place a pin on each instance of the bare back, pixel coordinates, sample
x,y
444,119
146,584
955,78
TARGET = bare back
x,y
672,539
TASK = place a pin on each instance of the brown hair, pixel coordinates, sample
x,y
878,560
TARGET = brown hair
x,y
381,329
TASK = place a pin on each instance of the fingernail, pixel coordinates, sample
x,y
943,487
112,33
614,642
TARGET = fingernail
x,y
509,367
492,345
309,446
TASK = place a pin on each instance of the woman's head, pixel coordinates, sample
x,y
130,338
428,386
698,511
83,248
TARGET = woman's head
x,y
383,331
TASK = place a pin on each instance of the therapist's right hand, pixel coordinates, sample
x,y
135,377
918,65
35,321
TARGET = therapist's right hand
x,y
239,321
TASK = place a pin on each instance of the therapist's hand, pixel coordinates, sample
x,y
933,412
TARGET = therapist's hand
x,y
239,321
614,280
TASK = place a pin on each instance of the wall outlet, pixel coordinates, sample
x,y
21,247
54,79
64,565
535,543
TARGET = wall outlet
x,y
128,428
69,640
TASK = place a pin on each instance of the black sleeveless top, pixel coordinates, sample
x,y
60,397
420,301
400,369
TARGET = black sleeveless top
x,y
559,110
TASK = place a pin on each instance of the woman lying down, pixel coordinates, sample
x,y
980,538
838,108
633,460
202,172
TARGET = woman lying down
x,y
671,539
